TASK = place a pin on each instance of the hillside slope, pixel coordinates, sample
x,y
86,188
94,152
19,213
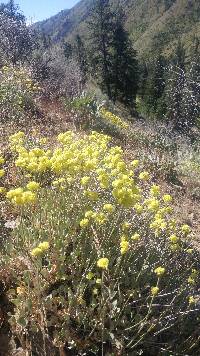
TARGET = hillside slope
x,y
154,25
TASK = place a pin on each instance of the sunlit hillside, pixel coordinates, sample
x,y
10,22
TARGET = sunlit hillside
x,y
100,181
153,25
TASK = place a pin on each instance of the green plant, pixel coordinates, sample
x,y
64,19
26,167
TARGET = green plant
x,y
17,93
102,264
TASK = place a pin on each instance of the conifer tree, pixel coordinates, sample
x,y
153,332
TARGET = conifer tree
x,y
152,87
113,57
177,82
101,34
144,74
124,63
184,90
192,100
81,57
68,50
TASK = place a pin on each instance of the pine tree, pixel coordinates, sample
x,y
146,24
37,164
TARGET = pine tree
x,y
193,85
81,57
144,74
125,65
68,50
152,87
183,91
101,34
176,82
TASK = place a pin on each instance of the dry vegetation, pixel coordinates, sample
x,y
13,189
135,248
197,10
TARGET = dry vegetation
x,y
99,225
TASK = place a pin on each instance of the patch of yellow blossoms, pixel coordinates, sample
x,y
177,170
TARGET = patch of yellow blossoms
x,y
104,179
113,119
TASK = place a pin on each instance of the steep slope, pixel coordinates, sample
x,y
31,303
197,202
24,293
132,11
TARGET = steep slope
x,y
154,25
60,26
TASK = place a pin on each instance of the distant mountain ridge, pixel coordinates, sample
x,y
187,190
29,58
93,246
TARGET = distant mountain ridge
x,y
60,26
154,25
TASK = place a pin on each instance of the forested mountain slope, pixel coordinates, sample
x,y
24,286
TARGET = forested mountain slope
x,y
154,25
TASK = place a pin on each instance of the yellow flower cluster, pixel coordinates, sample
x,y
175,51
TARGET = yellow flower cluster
x,y
155,290
103,263
34,161
20,197
99,218
113,119
124,245
2,173
192,279
33,186
2,190
17,139
105,181
88,157
159,271
41,249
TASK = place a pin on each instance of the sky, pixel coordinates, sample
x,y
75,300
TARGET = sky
x,y
36,10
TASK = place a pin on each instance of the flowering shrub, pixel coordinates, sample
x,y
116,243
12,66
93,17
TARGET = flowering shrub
x,y
17,91
112,119
102,264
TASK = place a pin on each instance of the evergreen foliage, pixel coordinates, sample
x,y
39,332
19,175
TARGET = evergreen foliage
x,y
183,91
113,57
81,57
125,65
101,34
152,87
68,50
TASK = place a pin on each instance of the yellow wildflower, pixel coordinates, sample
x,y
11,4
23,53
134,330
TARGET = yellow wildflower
x,y
2,190
126,225
175,247
185,229
124,246
2,173
154,291
89,214
93,196
191,300
98,281
174,239
109,208
85,181
36,252
138,208
159,271
89,276
28,197
167,198
155,190
136,237
153,204
144,175
135,163
33,186
84,222
44,246
103,263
